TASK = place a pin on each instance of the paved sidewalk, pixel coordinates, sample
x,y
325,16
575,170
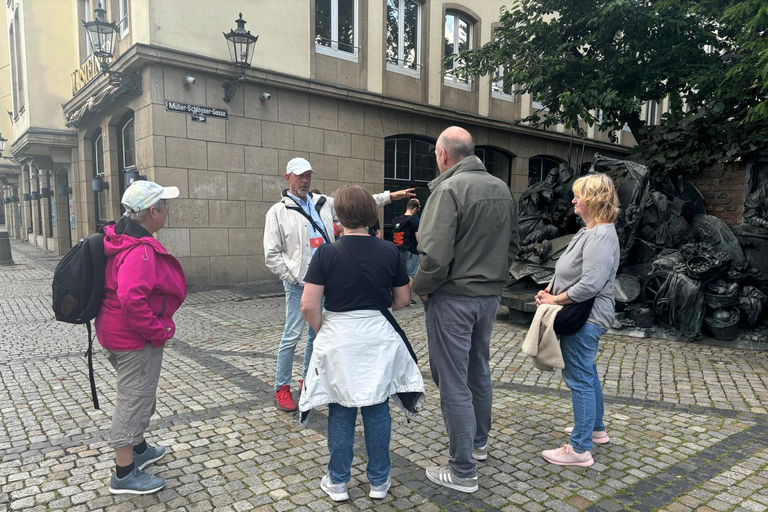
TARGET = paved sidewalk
x,y
688,422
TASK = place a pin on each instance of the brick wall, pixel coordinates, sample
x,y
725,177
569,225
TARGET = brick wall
x,y
723,186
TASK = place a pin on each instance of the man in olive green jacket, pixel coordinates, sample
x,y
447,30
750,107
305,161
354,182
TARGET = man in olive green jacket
x,y
468,239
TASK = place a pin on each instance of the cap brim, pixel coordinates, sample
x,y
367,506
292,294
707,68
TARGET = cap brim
x,y
170,193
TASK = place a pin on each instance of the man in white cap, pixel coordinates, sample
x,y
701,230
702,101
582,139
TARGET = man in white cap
x,y
295,227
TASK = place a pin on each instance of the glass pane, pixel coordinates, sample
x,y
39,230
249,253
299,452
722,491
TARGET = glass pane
x,y
424,164
534,170
410,34
393,32
389,159
498,164
346,26
463,35
323,22
98,157
449,39
403,159
129,145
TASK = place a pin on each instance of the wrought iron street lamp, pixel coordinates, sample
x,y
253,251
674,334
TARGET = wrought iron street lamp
x,y
102,36
241,44
2,143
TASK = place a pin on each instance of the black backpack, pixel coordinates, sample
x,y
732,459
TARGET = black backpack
x,y
78,286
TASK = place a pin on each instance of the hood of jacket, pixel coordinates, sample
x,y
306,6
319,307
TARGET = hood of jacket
x,y
115,243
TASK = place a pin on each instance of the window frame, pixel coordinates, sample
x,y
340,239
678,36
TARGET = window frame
x,y
333,50
449,79
497,87
19,66
484,148
542,172
422,190
123,22
87,16
99,198
399,67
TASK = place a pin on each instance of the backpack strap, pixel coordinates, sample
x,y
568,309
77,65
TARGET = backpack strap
x,y
311,220
319,204
89,355
368,286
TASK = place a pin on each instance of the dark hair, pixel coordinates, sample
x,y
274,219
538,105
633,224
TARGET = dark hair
x,y
413,203
355,207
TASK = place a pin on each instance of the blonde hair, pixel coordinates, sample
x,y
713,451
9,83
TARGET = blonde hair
x,y
599,195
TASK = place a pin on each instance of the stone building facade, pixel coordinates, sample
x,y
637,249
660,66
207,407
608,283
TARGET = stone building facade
x,y
362,107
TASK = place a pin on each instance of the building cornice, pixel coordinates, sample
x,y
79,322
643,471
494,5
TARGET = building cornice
x,y
43,137
140,55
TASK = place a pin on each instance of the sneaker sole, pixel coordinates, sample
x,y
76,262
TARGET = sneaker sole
x,y
586,463
152,461
451,485
378,495
134,491
335,496
480,457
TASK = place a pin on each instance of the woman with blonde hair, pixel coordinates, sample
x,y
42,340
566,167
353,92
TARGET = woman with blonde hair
x,y
586,270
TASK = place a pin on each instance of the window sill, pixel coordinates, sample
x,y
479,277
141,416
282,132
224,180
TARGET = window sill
x,y
502,96
324,50
403,71
457,85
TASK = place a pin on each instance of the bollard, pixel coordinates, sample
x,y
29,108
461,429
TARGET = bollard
x,y
5,249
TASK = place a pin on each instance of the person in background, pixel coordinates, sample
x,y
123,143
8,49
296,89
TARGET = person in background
x,y
375,230
359,360
468,238
405,235
144,286
586,269
294,228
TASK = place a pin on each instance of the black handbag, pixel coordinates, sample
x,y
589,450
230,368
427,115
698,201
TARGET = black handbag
x,y
572,317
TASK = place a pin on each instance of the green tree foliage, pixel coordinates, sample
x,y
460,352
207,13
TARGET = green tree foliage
x,y
579,58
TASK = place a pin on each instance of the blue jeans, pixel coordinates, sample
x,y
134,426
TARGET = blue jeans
x,y
580,374
294,326
377,427
411,262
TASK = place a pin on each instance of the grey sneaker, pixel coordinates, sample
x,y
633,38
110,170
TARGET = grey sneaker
x,y
151,454
137,482
442,475
379,492
480,453
337,492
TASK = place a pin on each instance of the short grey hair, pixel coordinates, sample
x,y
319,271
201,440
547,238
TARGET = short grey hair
x,y
141,215
457,148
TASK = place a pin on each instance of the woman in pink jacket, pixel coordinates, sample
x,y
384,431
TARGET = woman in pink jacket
x,y
144,286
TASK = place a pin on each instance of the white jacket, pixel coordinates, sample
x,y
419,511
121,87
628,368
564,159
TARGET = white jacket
x,y
286,236
359,360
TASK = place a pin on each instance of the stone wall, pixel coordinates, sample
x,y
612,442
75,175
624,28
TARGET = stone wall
x,y
723,187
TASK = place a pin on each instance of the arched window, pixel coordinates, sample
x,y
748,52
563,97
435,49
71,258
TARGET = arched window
x,y
539,167
403,36
409,162
19,64
457,38
126,147
496,162
14,73
99,198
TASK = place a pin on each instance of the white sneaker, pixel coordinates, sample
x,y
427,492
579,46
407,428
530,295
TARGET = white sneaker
x,y
337,492
379,492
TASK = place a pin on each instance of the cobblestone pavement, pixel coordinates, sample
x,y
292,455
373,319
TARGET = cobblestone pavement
x,y
688,422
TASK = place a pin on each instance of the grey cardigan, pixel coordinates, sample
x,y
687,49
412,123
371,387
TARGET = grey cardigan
x,y
588,268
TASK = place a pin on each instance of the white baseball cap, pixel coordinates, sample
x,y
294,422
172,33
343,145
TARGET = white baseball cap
x,y
299,166
142,194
